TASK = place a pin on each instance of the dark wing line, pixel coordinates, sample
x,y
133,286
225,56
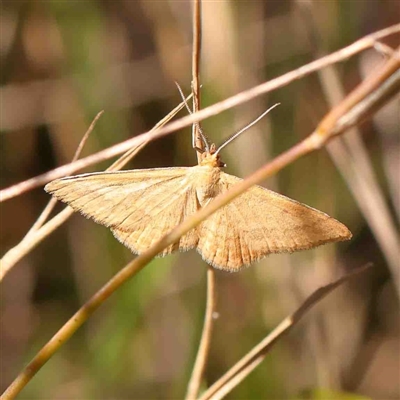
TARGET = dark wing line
x,y
74,190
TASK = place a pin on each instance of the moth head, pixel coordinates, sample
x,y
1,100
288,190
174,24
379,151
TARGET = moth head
x,y
211,158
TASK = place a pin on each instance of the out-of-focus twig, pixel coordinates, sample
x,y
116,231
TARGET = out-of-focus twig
x,y
383,49
254,357
358,46
51,204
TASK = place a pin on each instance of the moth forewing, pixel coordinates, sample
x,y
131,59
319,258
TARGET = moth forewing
x,y
113,198
260,222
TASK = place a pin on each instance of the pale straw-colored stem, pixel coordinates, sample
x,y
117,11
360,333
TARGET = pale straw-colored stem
x,y
204,347
198,141
205,340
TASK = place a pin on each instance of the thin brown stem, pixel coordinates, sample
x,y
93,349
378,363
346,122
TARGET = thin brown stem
x,y
205,340
86,136
29,242
384,49
196,53
362,91
340,55
204,347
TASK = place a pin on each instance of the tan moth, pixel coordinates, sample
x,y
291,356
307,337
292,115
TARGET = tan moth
x,y
141,206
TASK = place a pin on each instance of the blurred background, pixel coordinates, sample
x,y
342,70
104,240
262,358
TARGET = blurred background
x,y
61,63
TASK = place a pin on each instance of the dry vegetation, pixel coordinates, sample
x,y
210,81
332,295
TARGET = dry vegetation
x,y
64,62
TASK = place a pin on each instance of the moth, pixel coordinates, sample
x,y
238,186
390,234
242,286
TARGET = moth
x,y
141,206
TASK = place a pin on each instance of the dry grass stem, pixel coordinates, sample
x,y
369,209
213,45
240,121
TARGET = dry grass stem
x,y
341,117
255,356
68,169
205,340
372,102
196,53
204,347
384,49
28,243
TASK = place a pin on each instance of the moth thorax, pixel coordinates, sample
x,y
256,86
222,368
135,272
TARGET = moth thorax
x,y
207,183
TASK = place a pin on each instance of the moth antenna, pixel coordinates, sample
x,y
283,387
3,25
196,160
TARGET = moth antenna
x,y
203,137
235,135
